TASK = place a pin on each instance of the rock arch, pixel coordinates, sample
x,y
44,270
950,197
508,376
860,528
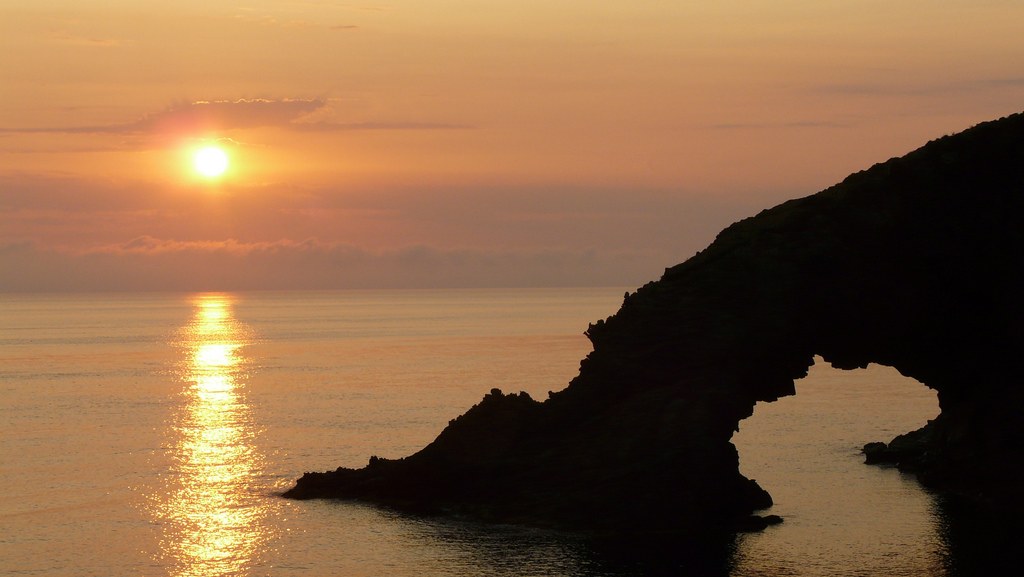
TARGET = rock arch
x,y
804,449
916,263
810,442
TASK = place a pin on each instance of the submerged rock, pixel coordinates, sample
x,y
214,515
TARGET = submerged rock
x,y
916,263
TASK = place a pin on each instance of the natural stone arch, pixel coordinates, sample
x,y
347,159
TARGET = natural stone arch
x,y
828,420
917,263
805,449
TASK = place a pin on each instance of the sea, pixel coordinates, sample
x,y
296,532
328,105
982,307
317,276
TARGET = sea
x,y
152,434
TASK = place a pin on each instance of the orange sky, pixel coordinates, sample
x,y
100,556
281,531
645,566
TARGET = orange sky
x,y
454,143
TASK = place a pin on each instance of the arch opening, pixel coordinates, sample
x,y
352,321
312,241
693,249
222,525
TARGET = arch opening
x,y
806,451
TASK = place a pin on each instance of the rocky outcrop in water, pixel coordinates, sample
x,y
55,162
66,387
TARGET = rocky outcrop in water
x,y
916,263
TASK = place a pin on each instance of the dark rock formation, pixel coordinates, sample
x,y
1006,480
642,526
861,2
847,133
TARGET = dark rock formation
x,y
916,263
909,451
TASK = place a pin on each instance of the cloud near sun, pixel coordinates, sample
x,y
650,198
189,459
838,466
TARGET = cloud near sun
x,y
148,245
203,116
150,263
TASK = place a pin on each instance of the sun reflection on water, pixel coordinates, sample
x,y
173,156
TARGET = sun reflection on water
x,y
211,511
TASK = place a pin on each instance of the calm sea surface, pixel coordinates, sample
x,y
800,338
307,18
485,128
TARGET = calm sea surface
x,y
150,434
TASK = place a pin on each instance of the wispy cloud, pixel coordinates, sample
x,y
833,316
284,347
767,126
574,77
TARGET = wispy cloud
x,y
223,115
904,88
148,263
86,41
794,124
346,126
152,246
203,115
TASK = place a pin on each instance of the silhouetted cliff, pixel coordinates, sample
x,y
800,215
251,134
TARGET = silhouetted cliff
x,y
916,263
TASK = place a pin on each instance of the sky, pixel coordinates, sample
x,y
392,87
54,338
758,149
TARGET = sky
x,y
454,143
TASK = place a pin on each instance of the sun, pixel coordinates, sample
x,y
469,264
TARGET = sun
x,y
210,161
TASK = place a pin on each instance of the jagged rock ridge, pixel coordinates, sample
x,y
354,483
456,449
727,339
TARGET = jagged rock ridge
x,y
916,263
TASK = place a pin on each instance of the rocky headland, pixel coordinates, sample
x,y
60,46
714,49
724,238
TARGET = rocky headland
x,y
916,263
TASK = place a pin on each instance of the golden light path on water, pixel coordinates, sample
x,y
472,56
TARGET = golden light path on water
x,y
210,510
